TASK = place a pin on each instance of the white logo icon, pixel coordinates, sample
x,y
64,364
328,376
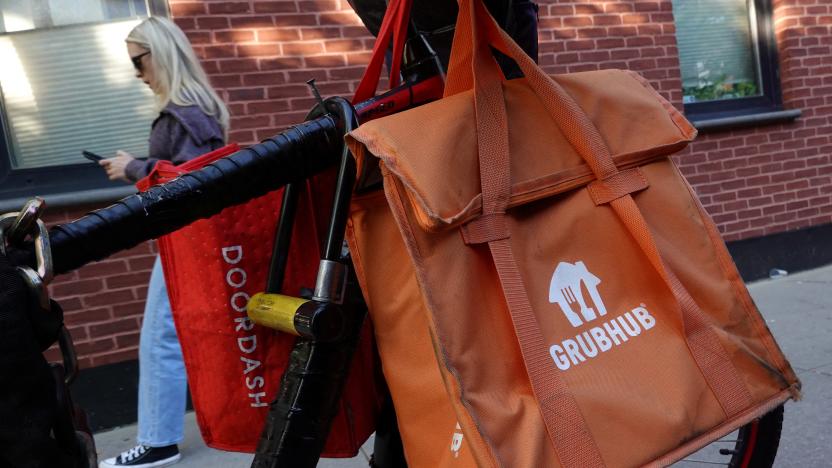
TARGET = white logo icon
x,y
456,441
566,289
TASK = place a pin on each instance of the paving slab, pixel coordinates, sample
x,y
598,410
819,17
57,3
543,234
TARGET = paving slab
x,y
798,310
195,454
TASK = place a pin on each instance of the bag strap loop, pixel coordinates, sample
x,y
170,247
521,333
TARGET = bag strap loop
x,y
485,229
617,185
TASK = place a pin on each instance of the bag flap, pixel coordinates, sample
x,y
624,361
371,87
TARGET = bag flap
x,y
432,149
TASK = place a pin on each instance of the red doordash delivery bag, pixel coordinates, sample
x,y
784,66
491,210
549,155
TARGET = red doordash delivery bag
x,y
549,276
212,267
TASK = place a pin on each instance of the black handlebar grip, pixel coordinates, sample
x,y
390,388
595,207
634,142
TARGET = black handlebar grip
x,y
293,155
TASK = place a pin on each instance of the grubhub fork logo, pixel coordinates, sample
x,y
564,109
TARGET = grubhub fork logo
x,y
567,290
575,290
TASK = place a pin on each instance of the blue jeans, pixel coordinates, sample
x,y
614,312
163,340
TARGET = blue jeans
x,y
162,380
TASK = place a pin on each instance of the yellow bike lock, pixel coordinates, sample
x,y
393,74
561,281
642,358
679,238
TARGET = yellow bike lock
x,y
321,321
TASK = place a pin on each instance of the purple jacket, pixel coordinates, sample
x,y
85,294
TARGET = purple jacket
x,y
179,134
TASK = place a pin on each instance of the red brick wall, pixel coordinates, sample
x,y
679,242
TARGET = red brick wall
x,y
259,54
753,182
777,178
632,35
103,302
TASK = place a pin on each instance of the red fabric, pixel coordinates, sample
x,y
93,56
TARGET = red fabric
x,y
212,267
394,24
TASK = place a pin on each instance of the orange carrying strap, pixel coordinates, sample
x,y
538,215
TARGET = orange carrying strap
x,y
564,422
472,67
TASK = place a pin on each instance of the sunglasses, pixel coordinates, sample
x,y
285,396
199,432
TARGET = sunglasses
x,y
137,61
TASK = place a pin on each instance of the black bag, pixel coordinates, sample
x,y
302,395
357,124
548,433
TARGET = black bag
x,y
436,20
39,424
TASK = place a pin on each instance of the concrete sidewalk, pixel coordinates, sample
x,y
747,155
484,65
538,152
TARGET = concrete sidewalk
x,y
797,308
195,454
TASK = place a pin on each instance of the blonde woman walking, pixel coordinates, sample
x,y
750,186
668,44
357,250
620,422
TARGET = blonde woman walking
x,y
192,121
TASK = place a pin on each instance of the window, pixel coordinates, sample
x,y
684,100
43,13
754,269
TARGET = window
x,y
728,58
67,85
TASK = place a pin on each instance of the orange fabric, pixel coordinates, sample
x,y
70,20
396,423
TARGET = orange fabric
x,y
428,423
488,227
603,324
707,351
616,186
572,442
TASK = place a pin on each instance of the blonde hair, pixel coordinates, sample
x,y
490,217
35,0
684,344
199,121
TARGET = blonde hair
x,y
179,76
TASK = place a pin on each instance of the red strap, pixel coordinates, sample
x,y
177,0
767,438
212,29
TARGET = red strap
x,y
399,36
164,170
394,24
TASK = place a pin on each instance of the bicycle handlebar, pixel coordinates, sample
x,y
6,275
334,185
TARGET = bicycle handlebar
x,y
292,155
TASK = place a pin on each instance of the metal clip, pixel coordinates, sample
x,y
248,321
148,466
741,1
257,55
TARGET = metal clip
x,y
43,251
331,282
24,224
14,228
37,288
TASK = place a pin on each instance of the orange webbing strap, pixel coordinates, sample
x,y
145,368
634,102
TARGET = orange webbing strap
x,y
708,352
706,349
565,425
617,185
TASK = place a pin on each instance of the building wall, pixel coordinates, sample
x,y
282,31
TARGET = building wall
x,y
261,53
754,182
103,302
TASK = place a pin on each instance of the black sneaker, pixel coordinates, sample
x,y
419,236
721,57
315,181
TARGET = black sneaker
x,y
142,456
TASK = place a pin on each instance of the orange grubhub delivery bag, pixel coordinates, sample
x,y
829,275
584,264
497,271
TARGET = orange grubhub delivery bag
x,y
545,288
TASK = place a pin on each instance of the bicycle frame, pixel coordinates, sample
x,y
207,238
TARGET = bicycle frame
x,y
300,415
289,157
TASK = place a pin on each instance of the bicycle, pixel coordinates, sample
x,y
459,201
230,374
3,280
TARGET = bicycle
x,y
298,419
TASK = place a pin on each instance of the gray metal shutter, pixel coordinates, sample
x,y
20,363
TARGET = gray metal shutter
x,y
72,88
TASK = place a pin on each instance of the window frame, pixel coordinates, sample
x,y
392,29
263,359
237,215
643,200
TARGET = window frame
x,y
771,98
51,180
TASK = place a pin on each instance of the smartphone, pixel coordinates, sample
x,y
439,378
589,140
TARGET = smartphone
x,y
92,156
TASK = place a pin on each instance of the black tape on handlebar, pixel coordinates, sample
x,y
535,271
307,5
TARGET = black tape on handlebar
x,y
293,155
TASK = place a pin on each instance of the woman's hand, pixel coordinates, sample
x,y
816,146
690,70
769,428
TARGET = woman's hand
x,y
116,166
